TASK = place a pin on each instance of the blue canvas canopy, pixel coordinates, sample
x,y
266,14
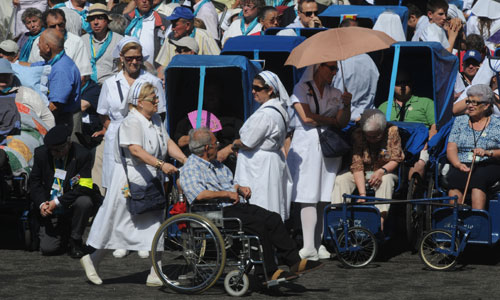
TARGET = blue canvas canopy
x,y
304,32
433,70
273,50
187,76
370,12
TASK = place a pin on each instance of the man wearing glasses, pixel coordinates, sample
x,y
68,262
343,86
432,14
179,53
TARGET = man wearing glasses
x,y
472,62
248,22
307,18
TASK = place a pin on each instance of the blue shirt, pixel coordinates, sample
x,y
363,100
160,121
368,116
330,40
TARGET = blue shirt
x,y
199,175
462,135
64,83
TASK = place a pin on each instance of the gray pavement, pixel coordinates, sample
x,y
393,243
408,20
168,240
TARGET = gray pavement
x,y
396,274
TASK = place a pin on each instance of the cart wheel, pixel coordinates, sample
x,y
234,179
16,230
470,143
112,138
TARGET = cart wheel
x,y
361,248
414,217
193,253
236,283
433,259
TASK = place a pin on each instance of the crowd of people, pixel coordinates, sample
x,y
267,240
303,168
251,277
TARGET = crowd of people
x,y
85,81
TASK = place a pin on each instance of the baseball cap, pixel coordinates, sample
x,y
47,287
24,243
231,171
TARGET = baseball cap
x,y
9,46
188,42
473,54
5,67
181,12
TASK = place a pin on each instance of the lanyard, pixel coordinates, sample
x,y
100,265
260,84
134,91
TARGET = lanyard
x,y
25,52
480,134
250,26
95,57
199,7
56,58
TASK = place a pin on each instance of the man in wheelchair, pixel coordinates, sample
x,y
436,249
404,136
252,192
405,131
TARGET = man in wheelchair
x,y
205,178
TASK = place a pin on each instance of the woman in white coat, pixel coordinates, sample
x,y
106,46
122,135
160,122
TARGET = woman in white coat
x,y
313,175
141,147
261,164
113,93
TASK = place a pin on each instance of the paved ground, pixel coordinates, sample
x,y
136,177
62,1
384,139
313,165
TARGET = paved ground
x,y
396,274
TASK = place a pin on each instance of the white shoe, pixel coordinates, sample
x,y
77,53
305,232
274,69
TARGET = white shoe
x,y
310,254
120,253
143,254
323,253
153,281
90,271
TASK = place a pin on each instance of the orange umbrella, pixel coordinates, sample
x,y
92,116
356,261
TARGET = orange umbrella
x,y
338,44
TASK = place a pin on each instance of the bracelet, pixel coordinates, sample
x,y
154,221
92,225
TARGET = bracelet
x,y
385,170
491,153
159,164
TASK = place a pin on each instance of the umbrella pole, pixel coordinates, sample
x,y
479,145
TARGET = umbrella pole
x,y
468,179
342,73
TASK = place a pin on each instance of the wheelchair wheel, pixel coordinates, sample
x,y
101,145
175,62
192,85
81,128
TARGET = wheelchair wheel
x,y
361,248
415,219
433,259
236,283
193,253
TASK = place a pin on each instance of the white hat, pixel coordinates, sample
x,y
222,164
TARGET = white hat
x,y
9,46
188,42
124,41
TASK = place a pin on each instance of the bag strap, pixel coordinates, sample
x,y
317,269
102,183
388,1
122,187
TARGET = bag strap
x,y
282,117
118,85
316,103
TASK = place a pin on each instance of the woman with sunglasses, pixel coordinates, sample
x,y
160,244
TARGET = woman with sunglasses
x,y
317,105
143,143
261,164
474,134
113,94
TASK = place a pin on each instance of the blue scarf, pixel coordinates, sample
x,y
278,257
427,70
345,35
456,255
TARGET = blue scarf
x,y
136,23
193,33
95,57
26,51
83,15
56,58
199,7
250,26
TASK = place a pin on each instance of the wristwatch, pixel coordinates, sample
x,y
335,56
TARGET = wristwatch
x,y
385,170
491,153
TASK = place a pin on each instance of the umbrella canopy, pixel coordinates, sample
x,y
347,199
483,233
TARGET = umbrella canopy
x,y
338,44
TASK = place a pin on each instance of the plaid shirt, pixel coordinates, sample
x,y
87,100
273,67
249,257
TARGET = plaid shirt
x,y
199,175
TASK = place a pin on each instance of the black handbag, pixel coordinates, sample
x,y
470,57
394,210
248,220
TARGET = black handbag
x,y
332,141
142,200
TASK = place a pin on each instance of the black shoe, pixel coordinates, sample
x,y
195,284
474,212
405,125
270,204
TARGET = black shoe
x,y
76,248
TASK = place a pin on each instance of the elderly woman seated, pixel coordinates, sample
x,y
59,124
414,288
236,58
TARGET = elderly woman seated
x,y
475,134
376,155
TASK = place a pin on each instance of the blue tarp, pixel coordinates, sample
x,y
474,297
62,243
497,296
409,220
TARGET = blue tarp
x,y
367,12
203,64
262,43
414,136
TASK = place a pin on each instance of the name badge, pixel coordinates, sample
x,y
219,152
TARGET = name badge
x,y
60,174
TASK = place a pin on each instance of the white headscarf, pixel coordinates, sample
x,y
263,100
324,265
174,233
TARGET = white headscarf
x,y
273,81
124,41
487,8
455,12
390,23
133,96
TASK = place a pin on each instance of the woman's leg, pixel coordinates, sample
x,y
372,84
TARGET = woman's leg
x,y
478,199
318,231
308,217
90,262
455,192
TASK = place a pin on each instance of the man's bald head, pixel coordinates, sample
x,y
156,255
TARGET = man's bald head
x,y
51,43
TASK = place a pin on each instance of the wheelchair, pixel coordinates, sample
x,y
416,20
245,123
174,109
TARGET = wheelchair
x,y
197,247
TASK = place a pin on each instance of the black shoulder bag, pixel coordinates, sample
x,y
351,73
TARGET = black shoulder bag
x,y
332,140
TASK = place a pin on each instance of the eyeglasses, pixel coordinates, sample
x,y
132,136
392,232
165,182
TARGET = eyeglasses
x,y
182,49
258,88
60,25
402,82
177,22
471,63
249,5
216,144
151,100
474,102
131,58
98,17
310,13
332,68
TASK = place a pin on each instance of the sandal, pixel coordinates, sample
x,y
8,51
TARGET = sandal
x,y
282,275
305,266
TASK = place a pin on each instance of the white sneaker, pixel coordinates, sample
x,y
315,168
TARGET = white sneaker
x,y
323,253
310,254
90,271
153,281
120,253
143,254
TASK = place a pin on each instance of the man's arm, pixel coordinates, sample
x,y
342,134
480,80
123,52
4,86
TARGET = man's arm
x,y
38,193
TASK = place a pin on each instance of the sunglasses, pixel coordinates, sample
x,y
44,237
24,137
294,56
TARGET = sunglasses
x,y
258,88
60,25
474,102
332,68
249,5
151,100
182,49
402,82
310,13
99,17
131,58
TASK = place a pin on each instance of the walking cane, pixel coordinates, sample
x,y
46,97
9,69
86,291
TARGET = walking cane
x,y
468,179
